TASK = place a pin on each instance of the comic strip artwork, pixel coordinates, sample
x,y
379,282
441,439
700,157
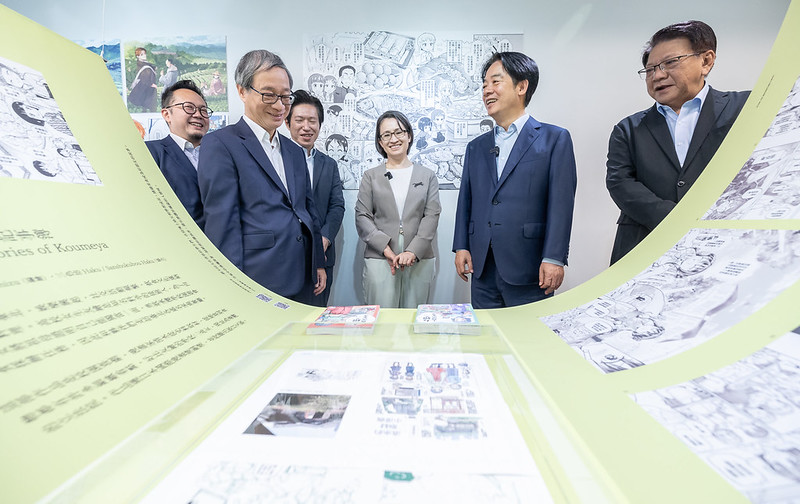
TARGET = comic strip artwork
x,y
709,281
433,78
35,140
768,185
742,420
154,64
436,400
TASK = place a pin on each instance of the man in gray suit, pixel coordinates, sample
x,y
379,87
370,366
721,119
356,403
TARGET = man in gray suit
x,y
654,156
304,121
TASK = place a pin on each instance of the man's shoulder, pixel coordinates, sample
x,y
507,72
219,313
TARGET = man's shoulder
x,y
324,159
736,97
225,132
157,146
483,138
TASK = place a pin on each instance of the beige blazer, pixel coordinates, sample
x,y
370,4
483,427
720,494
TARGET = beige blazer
x,y
378,222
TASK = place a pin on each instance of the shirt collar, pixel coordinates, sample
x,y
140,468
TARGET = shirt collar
x,y
697,101
514,127
182,142
313,150
261,133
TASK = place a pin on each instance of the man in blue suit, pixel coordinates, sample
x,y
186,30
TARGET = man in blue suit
x,y
184,109
254,185
515,203
304,121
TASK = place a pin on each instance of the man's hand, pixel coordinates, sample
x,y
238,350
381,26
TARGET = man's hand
x,y
322,280
325,244
550,277
463,264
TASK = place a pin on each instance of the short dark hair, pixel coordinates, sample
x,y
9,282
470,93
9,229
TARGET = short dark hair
x,y
351,67
303,97
404,123
336,137
700,36
519,67
166,96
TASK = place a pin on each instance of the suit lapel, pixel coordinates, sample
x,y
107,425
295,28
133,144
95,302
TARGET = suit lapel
x,y
386,188
253,145
657,125
712,108
524,141
173,151
319,167
486,154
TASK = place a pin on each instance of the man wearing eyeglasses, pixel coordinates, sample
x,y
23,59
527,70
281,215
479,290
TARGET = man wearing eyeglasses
x,y
654,156
256,194
184,109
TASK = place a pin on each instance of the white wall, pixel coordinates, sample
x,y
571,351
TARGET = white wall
x,y
588,54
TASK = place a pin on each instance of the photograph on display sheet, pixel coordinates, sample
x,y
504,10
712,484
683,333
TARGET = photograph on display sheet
x,y
768,185
433,78
301,415
708,282
36,141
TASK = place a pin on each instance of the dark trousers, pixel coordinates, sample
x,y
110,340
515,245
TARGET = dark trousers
x,y
491,291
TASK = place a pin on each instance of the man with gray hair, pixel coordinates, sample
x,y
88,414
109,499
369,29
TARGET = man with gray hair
x,y
257,199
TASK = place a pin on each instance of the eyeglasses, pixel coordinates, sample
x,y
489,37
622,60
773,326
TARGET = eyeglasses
x,y
400,134
190,108
666,66
270,98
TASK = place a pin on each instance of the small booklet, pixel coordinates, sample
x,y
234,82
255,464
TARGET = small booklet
x,y
446,319
345,319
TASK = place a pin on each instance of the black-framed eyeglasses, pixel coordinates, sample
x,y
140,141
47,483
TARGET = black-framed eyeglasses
x,y
400,134
666,65
270,98
190,108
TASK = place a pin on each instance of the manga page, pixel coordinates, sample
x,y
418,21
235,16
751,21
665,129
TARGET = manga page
x,y
433,78
709,281
36,142
768,185
742,420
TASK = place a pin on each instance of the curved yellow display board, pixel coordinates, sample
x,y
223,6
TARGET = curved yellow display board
x,y
125,336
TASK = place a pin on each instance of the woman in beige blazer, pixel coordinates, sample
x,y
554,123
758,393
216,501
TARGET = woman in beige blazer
x,y
399,257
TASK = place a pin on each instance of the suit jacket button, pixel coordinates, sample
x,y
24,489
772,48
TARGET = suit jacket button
x,y
681,183
495,202
299,237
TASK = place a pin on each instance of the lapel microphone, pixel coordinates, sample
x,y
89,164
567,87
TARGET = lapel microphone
x,y
495,150
388,175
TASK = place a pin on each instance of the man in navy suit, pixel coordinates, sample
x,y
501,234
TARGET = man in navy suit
x,y
184,109
654,156
256,194
515,203
304,121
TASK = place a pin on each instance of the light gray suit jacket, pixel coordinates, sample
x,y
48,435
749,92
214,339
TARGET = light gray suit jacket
x,y
377,219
